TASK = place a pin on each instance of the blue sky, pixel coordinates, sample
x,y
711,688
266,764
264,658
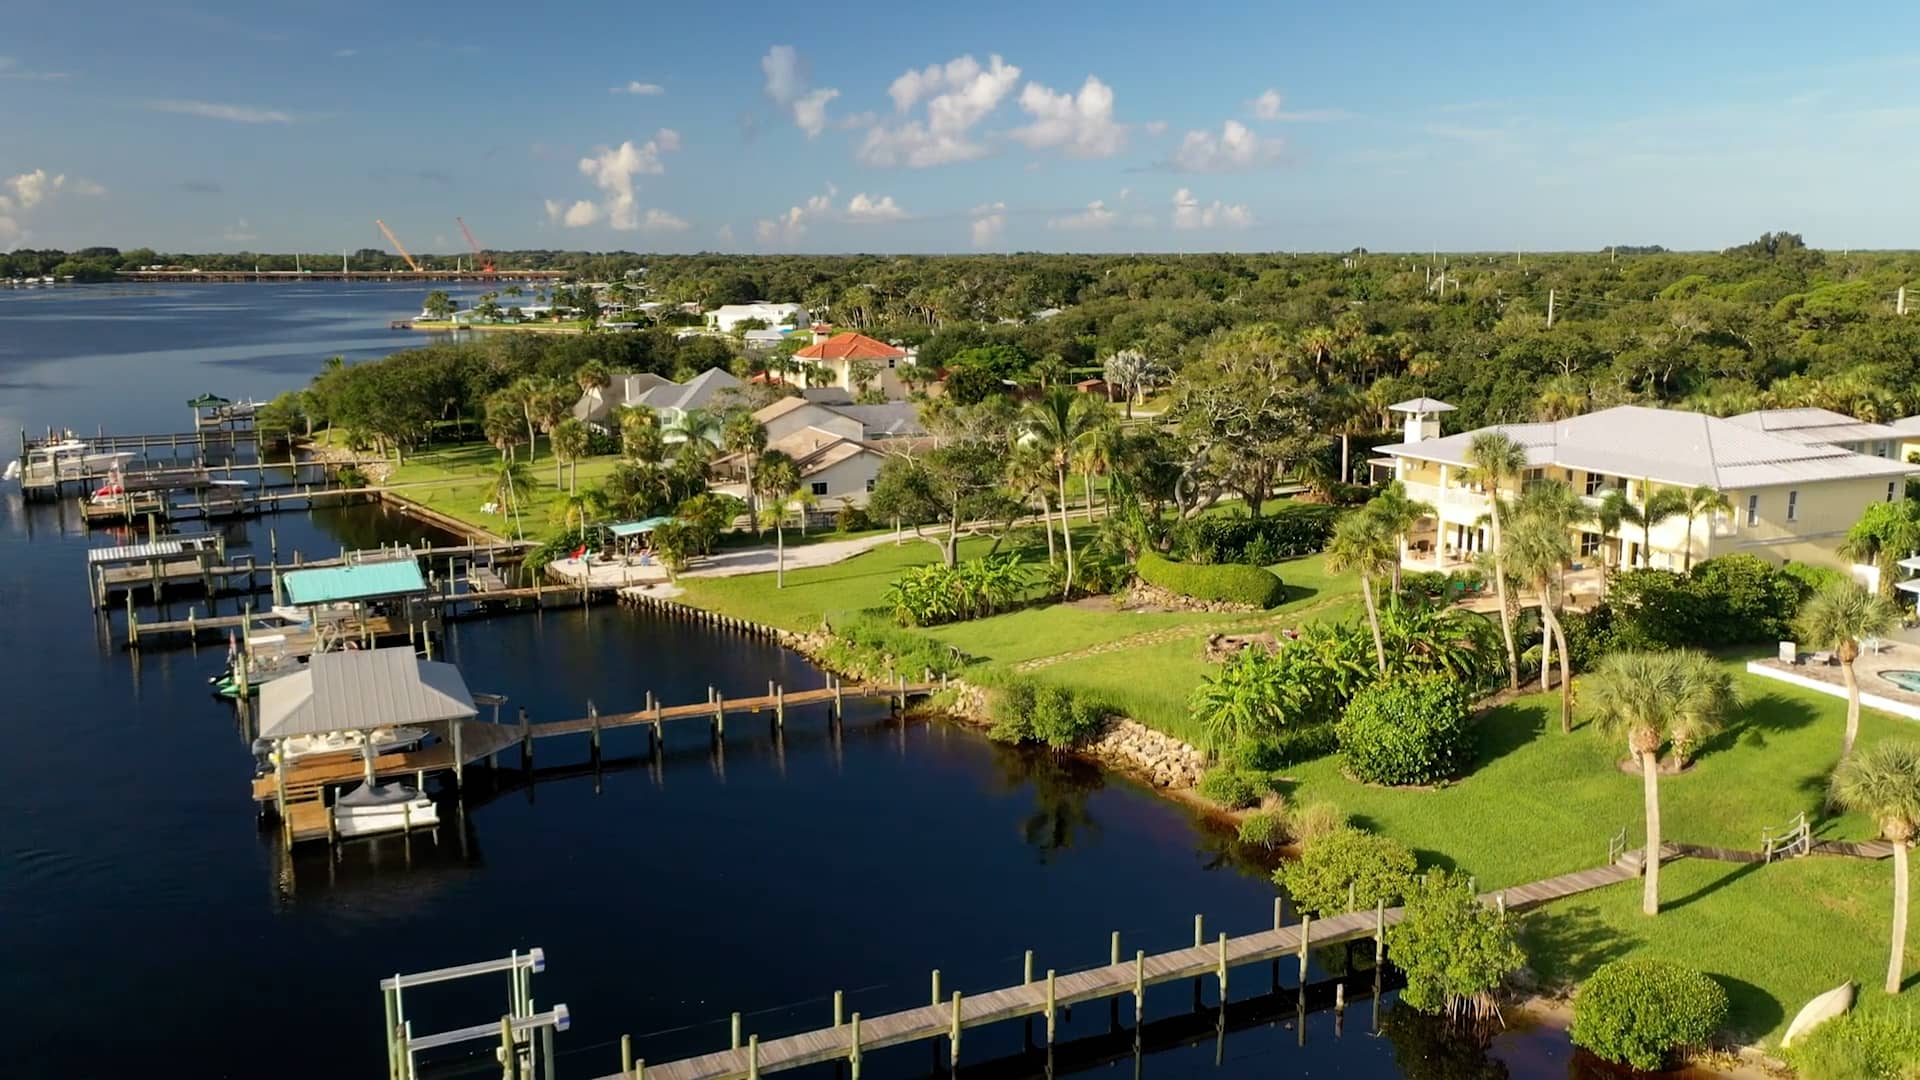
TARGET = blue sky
x,y
955,127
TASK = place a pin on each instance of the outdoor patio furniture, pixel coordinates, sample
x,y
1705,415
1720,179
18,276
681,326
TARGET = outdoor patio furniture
x,y
1873,645
1822,658
1790,652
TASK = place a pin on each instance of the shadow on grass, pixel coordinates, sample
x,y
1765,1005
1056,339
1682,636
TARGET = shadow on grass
x,y
1751,1011
1768,714
1503,730
1734,874
1430,860
1568,941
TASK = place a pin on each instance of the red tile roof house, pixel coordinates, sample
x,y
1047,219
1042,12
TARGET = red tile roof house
x,y
838,353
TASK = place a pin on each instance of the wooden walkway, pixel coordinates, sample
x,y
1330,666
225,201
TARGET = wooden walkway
x,y
305,777
1045,997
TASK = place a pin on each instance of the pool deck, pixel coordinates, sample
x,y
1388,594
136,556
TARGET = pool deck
x,y
1899,653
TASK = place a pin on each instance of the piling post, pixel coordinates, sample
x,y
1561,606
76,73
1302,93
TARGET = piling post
x,y
1339,997
753,1057
839,1006
1199,930
1139,986
779,706
1306,937
508,1056
626,1055
393,1059
719,715
526,738
953,1035
1114,950
1052,997
853,1046
459,756
736,1031
1277,904
936,986
1026,976
133,623
1379,933
838,706
1222,964
593,723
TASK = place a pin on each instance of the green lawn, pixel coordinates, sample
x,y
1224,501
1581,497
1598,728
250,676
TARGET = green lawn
x,y
1773,935
458,481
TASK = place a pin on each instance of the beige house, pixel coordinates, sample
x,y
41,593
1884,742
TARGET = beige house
x,y
1789,499
856,362
1824,427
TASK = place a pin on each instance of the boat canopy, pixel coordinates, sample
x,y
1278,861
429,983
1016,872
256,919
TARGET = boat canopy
x,y
361,690
360,581
208,401
635,528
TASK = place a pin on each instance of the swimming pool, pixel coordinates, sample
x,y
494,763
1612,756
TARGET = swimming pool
x,y
1905,680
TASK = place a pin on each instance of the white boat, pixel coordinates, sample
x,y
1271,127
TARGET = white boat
x,y
340,742
13,469
371,809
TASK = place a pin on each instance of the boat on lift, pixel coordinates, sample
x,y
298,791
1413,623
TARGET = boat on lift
x,y
372,808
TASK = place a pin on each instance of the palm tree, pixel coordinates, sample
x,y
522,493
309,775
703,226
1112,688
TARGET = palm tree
x,y
1703,499
1496,462
1361,541
502,425
1398,514
1608,515
745,437
1028,473
1884,783
526,392
640,433
570,439
1095,455
779,476
1653,508
1836,618
1649,699
1540,545
512,484
1057,424
697,426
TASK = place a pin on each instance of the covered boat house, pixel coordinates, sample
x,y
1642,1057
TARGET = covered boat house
x,y
361,602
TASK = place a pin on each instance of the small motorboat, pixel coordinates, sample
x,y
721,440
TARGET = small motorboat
x,y
371,809
270,661
382,740
13,469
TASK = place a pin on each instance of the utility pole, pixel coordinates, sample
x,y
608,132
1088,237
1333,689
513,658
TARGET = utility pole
x,y
1550,309
1900,302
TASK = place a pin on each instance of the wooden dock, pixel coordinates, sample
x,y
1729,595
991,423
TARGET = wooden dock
x,y
1045,996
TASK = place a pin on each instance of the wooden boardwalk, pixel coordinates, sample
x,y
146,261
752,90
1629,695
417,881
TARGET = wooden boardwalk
x,y
1045,997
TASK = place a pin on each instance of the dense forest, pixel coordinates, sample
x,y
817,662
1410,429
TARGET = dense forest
x,y
1505,337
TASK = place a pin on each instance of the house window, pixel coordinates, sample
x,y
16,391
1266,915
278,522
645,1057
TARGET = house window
x,y
1589,545
1753,510
819,487
1793,506
1890,486
1880,448
869,483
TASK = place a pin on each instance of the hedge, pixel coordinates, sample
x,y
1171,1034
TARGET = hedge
x,y
1638,1011
1292,530
1406,731
1225,582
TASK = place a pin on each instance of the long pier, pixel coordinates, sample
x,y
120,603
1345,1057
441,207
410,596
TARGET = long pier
x,y
850,1037
211,277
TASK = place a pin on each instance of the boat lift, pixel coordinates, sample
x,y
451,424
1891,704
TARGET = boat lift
x,y
519,1052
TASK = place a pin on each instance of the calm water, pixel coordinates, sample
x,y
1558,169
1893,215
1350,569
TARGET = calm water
x,y
147,923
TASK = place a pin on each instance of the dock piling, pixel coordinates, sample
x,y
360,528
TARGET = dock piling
x,y
1306,939
839,1004
936,986
1139,986
1052,997
1199,930
1114,952
1026,971
853,1046
736,1031
953,1035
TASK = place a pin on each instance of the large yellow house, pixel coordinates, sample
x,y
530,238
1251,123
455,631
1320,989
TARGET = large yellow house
x,y
1789,498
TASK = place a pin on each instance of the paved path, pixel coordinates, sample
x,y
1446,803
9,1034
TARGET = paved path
x,y
726,563
1165,634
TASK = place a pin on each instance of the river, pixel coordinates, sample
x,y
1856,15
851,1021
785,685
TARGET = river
x,y
148,923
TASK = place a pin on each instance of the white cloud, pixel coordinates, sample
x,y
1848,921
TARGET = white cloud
x,y
1095,216
989,221
10,69
582,213
1155,127
342,54
1267,105
34,187
958,95
82,186
865,208
1079,125
725,233
1188,213
645,89
792,225
658,220
1236,148
239,233
791,87
10,233
612,170
238,114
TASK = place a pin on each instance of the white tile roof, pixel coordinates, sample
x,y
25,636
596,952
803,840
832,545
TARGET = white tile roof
x,y
1668,446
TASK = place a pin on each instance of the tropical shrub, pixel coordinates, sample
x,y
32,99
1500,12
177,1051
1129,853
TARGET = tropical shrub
x,y
853,519
1265,828
1729,600
1371,868
1639,1011
1228,583
937,593
1407,730
1011,709
1456,951
1292,530
1859,1046
1315,821
868,645
1811,578
1232,788
1062,719
351,476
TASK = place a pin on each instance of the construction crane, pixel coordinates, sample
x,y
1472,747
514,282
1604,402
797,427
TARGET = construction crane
x,y
397,245
479,257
